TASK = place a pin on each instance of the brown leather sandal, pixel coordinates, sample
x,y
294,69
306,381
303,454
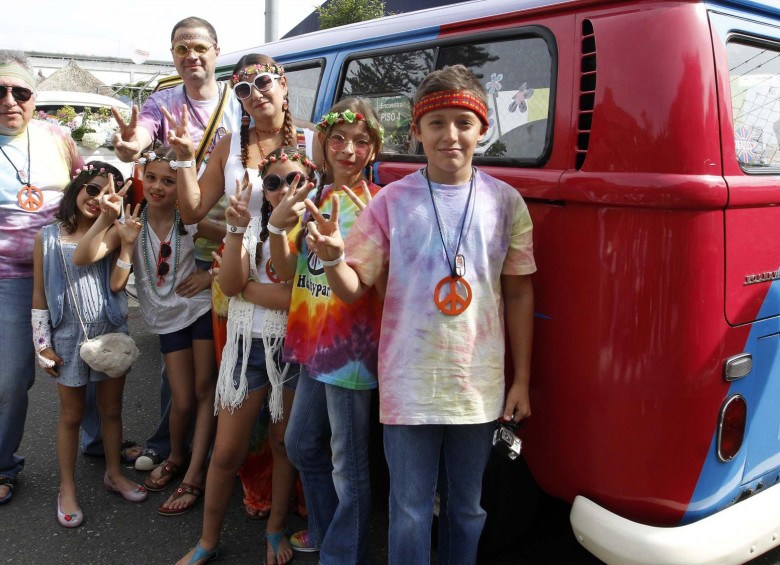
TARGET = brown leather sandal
x,y
168,470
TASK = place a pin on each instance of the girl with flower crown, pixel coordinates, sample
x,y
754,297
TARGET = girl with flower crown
x,y
175,304
69,301
335,343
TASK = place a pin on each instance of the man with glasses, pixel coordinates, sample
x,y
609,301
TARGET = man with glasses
x,y
37,162
213,111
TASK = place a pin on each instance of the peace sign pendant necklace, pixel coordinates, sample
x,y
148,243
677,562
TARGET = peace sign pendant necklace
x,y
452,294
29,198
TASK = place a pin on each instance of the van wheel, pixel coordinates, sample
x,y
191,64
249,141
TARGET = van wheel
x,y
510,496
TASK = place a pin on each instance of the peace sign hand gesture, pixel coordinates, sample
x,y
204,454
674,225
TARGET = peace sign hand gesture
x,y
356,199
324,237
179,135
111,201
237,213
125,141
129,229
286,214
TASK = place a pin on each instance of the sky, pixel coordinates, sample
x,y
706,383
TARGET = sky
x,y
112,28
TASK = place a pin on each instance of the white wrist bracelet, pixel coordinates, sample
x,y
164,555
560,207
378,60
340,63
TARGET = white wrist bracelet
x,y
277,231
333,263
235,229
182,164
123,265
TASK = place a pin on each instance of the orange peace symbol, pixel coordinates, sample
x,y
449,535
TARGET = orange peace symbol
x,y
452,303
269,270
30,198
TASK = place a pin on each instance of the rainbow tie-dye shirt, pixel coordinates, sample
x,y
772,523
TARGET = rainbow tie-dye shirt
x,y
435,368
53,161
336,342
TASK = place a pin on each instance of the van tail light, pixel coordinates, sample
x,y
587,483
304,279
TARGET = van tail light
x,y
731,427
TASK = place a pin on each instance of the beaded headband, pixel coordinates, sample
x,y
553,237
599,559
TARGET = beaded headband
x,y
247,72
348,116
295,157
91,171
451,99
152,156
193,37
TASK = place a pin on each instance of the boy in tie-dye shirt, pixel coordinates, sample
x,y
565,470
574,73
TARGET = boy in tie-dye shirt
x,y
455,245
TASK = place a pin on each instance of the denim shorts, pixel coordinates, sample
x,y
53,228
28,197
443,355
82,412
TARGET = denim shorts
x,y
256,370
182,339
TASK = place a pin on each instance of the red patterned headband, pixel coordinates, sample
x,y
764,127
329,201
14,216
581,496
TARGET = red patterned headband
x,y
450,99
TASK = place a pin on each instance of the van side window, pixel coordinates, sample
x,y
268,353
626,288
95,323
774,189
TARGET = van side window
x,y
389,82
517,74
302,84
754,76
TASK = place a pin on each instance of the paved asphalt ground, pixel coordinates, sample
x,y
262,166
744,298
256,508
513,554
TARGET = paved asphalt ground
x,y
119,532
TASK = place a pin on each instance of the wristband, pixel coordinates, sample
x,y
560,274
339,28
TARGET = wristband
x,y
124,265
235,229
41,330
182,164
333,263
274,230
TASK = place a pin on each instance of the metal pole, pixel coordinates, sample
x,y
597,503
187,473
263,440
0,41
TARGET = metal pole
x,y
271,17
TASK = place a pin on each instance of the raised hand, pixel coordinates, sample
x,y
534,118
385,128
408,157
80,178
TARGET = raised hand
x,y
178,134
129,229
356,199
324,237
237,213
125,141
111,200
291,207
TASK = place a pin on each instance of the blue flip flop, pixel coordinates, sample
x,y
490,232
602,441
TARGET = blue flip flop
x,y
6,482
275,539
200,553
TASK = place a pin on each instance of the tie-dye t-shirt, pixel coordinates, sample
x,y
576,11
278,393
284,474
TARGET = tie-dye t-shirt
x,y
435,368
336,342
54,158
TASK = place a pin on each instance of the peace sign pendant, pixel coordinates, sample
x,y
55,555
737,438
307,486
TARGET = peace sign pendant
x,y
452,295
30,198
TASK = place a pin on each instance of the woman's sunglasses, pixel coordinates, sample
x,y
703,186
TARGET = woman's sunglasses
x,y
181,50
263,83
20,93
93,190
272,183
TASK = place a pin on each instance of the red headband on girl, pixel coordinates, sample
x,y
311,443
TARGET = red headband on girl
x,y
450,99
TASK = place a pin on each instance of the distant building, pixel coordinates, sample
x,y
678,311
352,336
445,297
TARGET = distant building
x,y
312,22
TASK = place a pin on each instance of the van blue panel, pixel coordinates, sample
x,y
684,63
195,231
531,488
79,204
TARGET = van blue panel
x,y
769,8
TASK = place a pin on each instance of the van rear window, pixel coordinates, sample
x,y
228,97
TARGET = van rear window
x,y
516,72
754,74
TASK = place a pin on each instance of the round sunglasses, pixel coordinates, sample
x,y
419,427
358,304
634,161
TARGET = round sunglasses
x,y
272,183
93,190
19,93
263,83
360,146
181,50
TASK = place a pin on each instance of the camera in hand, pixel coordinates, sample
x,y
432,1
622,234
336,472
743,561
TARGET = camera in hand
x,y
505,440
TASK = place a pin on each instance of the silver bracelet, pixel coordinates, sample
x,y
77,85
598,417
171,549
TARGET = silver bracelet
x,y
333,263
182,164
235,229
277,231
123,265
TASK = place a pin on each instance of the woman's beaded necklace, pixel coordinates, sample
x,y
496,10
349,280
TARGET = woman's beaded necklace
x,y
145,243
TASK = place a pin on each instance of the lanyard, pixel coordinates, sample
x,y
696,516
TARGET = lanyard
x,y
458,266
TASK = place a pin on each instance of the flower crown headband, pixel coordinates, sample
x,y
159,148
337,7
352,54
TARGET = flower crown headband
x,y
348,116
284,157
450,99
152,156
91,171
247,72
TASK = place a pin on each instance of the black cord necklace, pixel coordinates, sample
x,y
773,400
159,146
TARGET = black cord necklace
x,y
191,108
458,266
21,174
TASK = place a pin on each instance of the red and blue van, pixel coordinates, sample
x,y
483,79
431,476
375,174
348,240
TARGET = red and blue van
x,y
645,137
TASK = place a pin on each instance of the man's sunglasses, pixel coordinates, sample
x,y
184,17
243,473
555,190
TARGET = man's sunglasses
x,y
181,50
20,93
272,183
263,82
93,190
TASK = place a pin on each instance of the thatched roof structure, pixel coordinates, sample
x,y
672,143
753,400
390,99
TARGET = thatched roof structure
x,y
72,78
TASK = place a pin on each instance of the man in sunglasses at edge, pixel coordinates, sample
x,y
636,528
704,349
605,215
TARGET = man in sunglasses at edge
x,y
38,161
214,111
